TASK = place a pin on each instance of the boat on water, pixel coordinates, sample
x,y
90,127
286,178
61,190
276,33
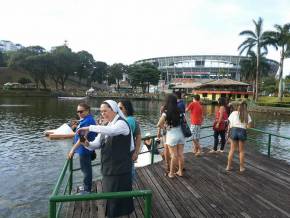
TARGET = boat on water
x,y
72,98
62,132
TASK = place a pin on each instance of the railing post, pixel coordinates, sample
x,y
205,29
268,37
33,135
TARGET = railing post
x,y
52,209
148,202
269,146
70,175
152,150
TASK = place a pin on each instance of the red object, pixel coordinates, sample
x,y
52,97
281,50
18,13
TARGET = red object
x,y
195,109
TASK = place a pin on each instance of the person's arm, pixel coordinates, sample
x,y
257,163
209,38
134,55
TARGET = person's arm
x,y
188,108
137,147
72,150
118,128
137,141
160,125
221,112
96,144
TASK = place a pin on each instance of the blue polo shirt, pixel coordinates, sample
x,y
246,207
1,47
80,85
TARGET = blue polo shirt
x,y
86,121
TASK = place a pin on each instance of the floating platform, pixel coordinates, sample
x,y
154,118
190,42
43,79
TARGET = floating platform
x,y
207,190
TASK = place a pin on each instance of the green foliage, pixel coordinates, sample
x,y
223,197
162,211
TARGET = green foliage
x,y
2,63
100,72
143,75
86,65
280,38
255,39
249,67
115,73
66,63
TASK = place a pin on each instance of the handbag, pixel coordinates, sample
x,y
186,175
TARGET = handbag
x,y
184,127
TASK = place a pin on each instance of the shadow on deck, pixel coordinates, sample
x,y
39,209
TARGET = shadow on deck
x,y
206,190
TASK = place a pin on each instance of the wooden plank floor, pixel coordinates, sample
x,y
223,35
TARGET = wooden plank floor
x,y
206,190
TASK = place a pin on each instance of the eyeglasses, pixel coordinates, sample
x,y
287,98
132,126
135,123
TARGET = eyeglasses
x,y
80,112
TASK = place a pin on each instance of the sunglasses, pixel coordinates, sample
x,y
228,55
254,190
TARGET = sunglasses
x,y
80,112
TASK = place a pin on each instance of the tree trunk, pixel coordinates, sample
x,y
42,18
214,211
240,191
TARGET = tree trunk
x,y
257,74
280,91
43,82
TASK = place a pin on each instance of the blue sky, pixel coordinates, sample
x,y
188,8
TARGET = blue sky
x,y
129,30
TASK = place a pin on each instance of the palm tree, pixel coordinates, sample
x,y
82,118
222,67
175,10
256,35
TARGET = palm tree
x,y
249,67
280,39
256,39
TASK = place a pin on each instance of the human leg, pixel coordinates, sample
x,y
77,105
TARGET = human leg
x,y
180,149
167,158
223,139
86,168
242,155
216,140
234,144
174,158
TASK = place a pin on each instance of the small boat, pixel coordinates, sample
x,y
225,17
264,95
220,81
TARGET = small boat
x,y
63,132
72,98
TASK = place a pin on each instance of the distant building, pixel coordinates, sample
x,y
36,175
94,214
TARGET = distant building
x,y
9,46
201,66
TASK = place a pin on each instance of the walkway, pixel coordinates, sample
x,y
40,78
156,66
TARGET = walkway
x,y
206,190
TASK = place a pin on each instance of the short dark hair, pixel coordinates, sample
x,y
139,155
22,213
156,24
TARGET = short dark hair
x,y
128,107
85,106
178,94
196,97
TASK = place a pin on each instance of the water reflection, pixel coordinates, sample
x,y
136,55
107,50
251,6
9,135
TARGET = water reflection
x,y
30,164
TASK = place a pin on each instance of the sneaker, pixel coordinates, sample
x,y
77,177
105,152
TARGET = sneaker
x,y
212,151
222,151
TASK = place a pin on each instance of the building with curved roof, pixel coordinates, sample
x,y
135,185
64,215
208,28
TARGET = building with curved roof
x,y
201,66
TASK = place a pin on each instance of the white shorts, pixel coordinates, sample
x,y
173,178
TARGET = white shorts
x,y
174,136
195,130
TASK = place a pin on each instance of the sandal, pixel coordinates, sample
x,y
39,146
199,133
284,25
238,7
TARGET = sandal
x,y
171,176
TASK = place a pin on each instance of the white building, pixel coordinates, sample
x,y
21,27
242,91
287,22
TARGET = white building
x,y
9,46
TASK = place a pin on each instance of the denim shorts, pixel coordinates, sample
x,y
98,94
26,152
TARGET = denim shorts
x,y
238,134
174,136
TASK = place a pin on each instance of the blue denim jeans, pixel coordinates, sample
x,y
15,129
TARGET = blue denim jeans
x,y
86,168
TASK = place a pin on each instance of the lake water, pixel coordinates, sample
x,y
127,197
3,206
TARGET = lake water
x,y
30,163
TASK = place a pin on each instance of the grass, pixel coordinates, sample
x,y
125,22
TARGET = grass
x,y
273,100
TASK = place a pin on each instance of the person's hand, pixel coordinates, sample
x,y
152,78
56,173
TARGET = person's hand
x,y
135,156
86,142
83,129
217,125
70,154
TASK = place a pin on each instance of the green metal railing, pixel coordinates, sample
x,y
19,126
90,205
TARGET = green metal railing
x,y
66,195
269,143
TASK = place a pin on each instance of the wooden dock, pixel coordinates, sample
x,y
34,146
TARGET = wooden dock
x,y
207,190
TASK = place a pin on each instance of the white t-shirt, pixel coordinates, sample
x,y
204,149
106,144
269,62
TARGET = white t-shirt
x,y
235,120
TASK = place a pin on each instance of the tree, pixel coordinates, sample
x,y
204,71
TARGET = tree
x,y
143,75
116,72
2,63
86,66
100,72
280,39
66,63
257,39
249,67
